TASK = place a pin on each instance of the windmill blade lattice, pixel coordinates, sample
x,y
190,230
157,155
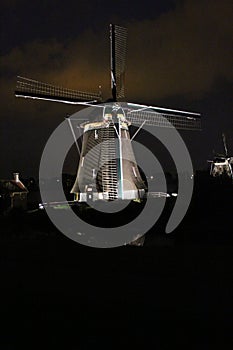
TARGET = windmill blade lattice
x,y
225,144
152,118
118,40
30,88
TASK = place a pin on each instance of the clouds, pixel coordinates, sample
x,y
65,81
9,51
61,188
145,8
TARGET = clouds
x,y
184,51
182,54
66,64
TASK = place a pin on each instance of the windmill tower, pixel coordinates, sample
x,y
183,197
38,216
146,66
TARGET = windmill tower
x,y
107,169
111,171
221,165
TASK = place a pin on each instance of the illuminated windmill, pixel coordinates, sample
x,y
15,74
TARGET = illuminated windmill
x,y
222,164
107,167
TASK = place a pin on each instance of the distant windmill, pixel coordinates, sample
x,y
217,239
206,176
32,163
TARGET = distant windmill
x,y
111,172
221,165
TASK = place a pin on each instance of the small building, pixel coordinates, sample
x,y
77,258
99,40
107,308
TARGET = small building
x,y
13,194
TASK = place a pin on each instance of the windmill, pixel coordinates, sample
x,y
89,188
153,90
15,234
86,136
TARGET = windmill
x,y
221,165
109,171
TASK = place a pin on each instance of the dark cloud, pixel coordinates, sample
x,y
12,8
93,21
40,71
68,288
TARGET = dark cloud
x,y
183,54
184,51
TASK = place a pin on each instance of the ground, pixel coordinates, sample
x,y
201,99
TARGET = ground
x,y
176,290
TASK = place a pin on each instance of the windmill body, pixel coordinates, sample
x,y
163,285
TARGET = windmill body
x,y
107,168
222,164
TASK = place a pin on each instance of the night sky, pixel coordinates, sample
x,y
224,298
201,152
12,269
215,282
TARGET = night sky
x,y
179,56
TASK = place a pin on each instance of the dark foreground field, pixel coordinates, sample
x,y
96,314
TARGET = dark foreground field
x,y
176,290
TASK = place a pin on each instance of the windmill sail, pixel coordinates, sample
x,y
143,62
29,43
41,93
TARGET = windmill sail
x,y
29,88
163,117
225,144
118,38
